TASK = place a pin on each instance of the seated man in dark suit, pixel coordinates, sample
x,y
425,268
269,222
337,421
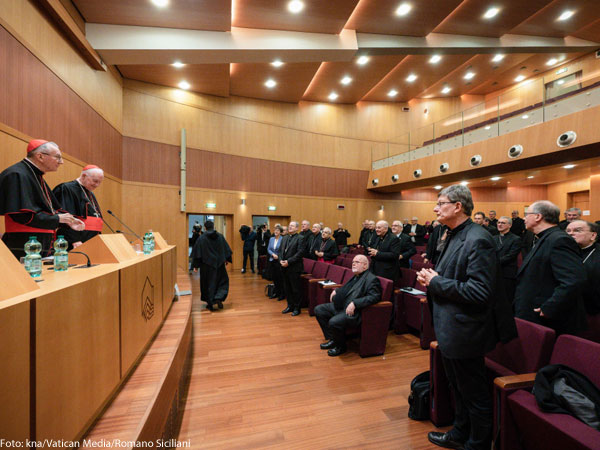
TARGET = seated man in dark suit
x,y
384,252
407,248
345,305
550,279
586,236
509,246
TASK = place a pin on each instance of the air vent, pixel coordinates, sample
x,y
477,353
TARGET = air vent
x,y
395,177
566,139
444,167
417,173
375,181
515,151
475,160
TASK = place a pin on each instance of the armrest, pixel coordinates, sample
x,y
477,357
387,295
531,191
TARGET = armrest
x,y
332,286
306,275
422,299
316,280
515,381
397,291
433,345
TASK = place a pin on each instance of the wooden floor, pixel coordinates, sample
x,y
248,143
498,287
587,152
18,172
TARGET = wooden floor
x,y
259,380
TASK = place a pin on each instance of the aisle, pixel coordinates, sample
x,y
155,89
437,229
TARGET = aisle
x,y
259,380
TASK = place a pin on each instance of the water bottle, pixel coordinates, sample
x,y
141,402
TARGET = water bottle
x,y
147,245
151,237
61,257
33,260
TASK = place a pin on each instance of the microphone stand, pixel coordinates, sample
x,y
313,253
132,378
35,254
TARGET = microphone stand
x,y
121,222
89,263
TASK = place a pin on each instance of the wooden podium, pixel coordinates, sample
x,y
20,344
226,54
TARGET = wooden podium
x,y
159,242
104,249
14,279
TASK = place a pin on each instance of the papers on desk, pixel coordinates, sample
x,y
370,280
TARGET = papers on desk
x,y
412,291
327,283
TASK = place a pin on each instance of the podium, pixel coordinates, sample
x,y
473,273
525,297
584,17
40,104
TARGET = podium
x,y
104,249
14,279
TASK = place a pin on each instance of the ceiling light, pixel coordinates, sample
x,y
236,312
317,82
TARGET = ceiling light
x,y
392,93
560,82
525,116
492,12
295,6
362,60
495,178
520,78
446,90
469,75
346,80
412,77
464,183
438,187
178,64
530,177
333,96
499,57
488,127
184,85
403,9
277,63
569,166
566,15
161,3
270,83
435,59
551,62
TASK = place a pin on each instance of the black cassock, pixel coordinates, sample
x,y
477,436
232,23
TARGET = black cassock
x,y
82,203
210,252
29,207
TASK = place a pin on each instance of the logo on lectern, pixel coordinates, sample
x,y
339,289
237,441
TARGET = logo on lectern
x,y
148,300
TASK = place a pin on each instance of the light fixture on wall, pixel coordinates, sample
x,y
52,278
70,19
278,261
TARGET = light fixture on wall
x,y
243,202
381,207
272,208
210,205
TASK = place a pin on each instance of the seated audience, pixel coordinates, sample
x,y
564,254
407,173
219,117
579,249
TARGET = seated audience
x,y
274,266
508,246
345,306
385,252
407,248
550,279
586,236
341,235
325,248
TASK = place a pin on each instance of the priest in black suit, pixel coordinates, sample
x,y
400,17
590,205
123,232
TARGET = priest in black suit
x,y
324,247
345,306
586,236
407,248
385,252
415,231
290,254
509,247
469,317
550,279
518,224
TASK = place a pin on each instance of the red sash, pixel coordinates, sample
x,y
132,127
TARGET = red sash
x,y
14,227
331,261
93,223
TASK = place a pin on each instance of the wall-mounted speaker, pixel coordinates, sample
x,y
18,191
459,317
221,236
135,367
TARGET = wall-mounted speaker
x,y
375,181
444,167
417,173
395,177
475,160
515,151
566,139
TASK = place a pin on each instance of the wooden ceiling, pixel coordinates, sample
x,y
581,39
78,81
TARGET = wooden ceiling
x,y
314,81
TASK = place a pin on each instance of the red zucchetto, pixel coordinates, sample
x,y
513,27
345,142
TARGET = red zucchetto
x,y
35,143
89,167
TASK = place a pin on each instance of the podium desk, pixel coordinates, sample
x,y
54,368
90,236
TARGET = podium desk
x,y
67,346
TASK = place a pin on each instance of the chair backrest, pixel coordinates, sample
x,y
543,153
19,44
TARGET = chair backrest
x,y
416,265
409,277
421,249
527,353
336,273
347,263
387,287
339,260
309,264
579,354
347,275
416,258
320,269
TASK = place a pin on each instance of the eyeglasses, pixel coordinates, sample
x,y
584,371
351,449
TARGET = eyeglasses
x,y
579,230
57,157
440,204
502,222
528,213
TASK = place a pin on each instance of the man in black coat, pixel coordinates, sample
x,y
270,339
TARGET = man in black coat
x,y
262,240
509,246
518,224
290,255
415,231
550,279
469,317
435,244
369,236
341,235
586,236
407,248
312,241
345,305
385,252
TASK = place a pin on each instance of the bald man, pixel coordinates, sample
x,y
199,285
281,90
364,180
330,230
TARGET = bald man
x,y
385,252
77,197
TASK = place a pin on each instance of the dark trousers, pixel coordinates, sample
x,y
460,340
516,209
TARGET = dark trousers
x,y
291,281
473,415
510,286
276,276
333,323
248,254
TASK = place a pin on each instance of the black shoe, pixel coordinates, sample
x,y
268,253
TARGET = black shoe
x,y
327,345
253,271
210,307
220,304
287,310
280,298
243,270
296,312
336,351
273,296
444,440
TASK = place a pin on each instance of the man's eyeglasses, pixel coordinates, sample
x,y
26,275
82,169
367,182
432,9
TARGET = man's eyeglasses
x,y
57,157
528,213
440,204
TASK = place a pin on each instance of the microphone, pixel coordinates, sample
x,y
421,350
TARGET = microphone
x,y
89,263
121,222
106,223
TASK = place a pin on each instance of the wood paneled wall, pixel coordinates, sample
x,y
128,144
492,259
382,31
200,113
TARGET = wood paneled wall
x,y
558,193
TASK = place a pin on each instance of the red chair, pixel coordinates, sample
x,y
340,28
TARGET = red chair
x,y
309,264
408,278
335,274
261,263
339,260
347,263
324,292
319,273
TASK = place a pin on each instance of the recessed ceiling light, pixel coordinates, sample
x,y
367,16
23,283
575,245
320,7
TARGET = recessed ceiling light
x,y
499,57
178,64
551,62
392,93
566,15
446,90
495,178
488,127
346,80
362,60
295,6
438,187
464,183
277,63
525,116
569,166
403,9
412,77
560,82
469,75
492,12
333,96
530,177
184,85
270,83
520,78
435,59
161,3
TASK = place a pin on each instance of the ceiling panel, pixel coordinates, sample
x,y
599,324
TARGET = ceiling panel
x,y
468,18
204,78
248,80
419,65
364,77
590,32
379,16
545,23
318,16
207,15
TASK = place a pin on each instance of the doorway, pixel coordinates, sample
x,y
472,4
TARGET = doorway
x,y
223,224
579,200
